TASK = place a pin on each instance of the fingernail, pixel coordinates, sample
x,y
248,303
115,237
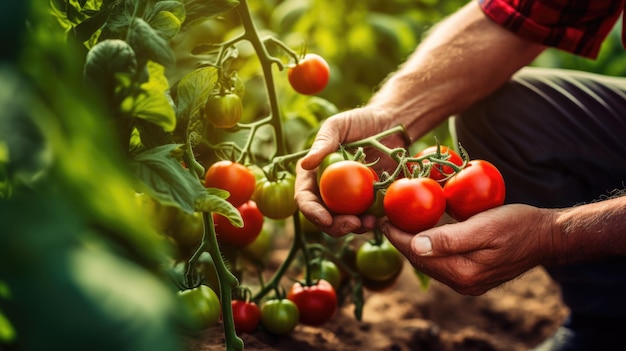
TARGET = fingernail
x,y
422,246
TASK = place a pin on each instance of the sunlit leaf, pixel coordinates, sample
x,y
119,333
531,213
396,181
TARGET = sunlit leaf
x,y
193,90
166,179
212,203
153,103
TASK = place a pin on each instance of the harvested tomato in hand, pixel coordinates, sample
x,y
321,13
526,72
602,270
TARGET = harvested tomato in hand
x,y
478,187
347,187
414,204
439,172
233,177
316,303
246,316
310,75
240,237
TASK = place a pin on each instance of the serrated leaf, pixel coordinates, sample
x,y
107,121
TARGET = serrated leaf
x,y
166,179
201,9
152,103
193,90
209,202
148,44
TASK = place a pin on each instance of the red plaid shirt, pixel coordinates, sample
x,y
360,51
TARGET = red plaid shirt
x,y
577,26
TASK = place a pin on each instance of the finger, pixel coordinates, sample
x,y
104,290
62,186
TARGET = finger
x,y
307,198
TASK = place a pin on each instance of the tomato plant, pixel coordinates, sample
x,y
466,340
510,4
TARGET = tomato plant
x,y
240,237
347,187
162,216
279,316
246,315
310,75
275,198
414,204
478,187
223,110
378,262
233,177
317,303
202,305
440,172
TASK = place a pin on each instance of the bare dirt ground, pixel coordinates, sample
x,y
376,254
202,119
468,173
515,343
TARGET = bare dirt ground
x,y
516,316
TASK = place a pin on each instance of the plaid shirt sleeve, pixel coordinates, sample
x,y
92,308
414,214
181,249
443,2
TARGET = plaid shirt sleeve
x,y
576,26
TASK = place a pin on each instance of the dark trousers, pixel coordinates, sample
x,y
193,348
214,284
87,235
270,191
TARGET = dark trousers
x,y
559,139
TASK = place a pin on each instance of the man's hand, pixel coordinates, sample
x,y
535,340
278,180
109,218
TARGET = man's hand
x,y
482,252
340,129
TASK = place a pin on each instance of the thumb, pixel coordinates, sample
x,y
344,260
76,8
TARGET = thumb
x,y
327,140
439,241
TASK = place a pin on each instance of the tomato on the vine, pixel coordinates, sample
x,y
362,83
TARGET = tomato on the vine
x,y
233,177
188,229
240,237
246,316
310,75
478,187
161,216
347,187
279,316
414,204
202,305
326,161
260,247
316,303
223,110
378,262
328,271
275,198
439,172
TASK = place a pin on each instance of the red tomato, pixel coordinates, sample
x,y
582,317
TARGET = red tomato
x,y
414,204
246,315
233,177
317,303
439,172
478,187
244,236
310,75
347,187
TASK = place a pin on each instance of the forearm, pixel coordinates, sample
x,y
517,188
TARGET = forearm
x,y
464,59
591,231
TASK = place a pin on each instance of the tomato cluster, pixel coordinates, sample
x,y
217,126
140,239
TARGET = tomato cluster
x,y
438,181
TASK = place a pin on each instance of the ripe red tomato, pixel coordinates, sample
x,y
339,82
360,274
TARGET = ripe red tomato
x,y
414,204
379,262
223,110
439,172
347,187
310,75
244,236
246,316
316,303
279,316
275,198
233,177
478,187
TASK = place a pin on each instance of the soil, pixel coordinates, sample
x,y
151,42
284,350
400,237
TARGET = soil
x,y
516,316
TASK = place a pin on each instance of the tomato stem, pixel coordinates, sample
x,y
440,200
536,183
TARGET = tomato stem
x,y
227,282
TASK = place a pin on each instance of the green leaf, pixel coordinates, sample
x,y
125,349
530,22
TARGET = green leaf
x,y
166,17
153,103
7,333
166,179
148,44
107,59
202,9
193,90
209,202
